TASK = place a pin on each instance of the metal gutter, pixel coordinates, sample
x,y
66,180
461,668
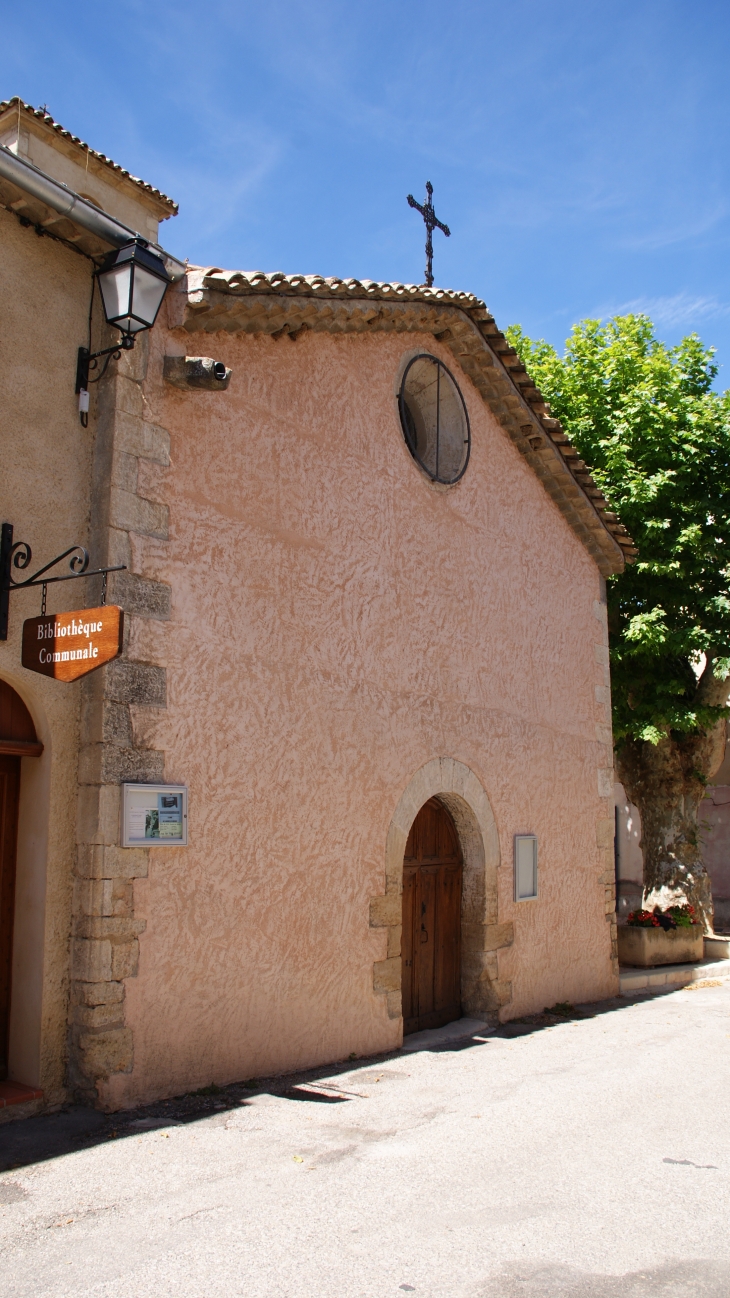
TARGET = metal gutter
x,y
62,199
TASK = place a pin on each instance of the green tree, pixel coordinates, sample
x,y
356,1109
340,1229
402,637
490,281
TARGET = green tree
x,y
657,437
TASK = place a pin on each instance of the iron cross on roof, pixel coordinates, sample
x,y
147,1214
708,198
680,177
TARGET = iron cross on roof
x,y
431,222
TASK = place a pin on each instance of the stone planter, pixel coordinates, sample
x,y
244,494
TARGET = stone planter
x,y
651,946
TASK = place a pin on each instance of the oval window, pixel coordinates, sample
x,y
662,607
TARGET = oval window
x,y
434,419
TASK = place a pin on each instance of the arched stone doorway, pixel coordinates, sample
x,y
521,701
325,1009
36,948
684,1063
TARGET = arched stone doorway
x,y
459,790
431,935
17,739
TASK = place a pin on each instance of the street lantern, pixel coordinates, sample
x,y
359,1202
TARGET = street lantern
x,y
132,281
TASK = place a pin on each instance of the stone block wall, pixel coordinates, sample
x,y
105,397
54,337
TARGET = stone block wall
x,y
105,945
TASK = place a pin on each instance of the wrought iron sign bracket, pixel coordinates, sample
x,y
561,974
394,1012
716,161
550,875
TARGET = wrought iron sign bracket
x,y
19,554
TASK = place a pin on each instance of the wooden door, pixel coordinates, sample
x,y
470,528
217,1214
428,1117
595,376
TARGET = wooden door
x,y
431,943
9,795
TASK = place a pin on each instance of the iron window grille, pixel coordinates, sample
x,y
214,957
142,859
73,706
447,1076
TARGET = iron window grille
x,y
434,419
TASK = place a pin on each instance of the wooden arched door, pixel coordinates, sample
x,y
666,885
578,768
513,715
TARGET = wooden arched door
x,y
431,943
17,739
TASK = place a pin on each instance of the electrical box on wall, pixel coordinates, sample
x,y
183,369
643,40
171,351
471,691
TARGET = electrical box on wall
x,y
525,867
154,815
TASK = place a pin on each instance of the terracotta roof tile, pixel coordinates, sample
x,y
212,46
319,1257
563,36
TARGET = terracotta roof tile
x,y
259,281
42,115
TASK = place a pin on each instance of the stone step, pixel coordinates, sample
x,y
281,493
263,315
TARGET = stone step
x,y
456,1031
717,947
17,1093
671,975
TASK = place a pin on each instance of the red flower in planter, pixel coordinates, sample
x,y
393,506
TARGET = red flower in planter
x,y
643,919
672,918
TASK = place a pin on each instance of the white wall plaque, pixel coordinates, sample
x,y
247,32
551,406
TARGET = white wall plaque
x,y
154,815
525,867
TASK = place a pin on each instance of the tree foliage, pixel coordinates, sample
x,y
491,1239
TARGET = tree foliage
x,y
656,436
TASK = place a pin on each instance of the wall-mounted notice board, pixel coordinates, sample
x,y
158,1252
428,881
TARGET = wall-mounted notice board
x,y
154,815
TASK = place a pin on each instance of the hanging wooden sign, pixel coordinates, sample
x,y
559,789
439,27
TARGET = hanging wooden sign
x,y
68,645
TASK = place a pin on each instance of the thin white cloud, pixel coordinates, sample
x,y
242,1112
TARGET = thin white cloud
x,y
218,179
692,228
679,309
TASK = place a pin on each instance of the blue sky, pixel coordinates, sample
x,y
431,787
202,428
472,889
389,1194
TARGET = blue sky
x,y
578,150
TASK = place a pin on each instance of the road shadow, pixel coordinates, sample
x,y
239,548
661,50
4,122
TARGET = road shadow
x,y
550,1017
74,1127
315,1097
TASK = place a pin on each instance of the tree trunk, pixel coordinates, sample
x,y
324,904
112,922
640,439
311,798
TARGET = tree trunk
x,y
667,782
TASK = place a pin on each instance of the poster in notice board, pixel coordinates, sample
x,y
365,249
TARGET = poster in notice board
x,y
154,815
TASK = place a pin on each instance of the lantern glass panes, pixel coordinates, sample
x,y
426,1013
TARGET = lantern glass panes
x,y
132,282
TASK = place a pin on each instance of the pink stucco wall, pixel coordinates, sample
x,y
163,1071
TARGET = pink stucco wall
x,y
337,622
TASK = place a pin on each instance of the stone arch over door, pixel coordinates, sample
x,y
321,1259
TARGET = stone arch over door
x,y
482,936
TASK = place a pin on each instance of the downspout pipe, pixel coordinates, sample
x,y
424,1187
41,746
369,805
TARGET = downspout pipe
x,y
62,199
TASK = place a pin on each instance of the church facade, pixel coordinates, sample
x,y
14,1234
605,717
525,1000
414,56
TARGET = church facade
x,y
365,632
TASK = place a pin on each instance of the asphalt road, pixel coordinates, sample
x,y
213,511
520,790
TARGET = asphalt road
x,y
589,1156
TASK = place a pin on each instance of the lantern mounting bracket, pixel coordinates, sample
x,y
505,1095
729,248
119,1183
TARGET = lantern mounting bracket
x,y
19,554
86,361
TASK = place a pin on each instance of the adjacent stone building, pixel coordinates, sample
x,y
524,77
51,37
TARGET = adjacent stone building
x,y
365,629
50,463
